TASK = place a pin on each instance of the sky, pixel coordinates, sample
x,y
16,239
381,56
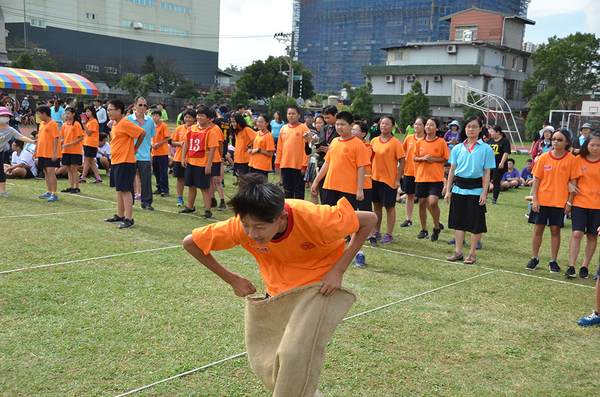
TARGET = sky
x,y
247,28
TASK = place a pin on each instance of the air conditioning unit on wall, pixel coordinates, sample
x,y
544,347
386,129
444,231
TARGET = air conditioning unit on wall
x,y
389,78
410,78
437,78
451,49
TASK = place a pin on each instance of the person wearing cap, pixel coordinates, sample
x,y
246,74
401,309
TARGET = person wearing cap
x,y
543,144
578,143
452,136
6,134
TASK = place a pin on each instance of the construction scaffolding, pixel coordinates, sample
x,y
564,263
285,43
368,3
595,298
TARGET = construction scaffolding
x,y
336,37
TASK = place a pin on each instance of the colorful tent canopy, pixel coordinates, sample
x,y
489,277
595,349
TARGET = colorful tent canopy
x,y
37,80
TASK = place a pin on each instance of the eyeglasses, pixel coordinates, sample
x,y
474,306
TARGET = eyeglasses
x,y
110,110
385,124
142,105
557,139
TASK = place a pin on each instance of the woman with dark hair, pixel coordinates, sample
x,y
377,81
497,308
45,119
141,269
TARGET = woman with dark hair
x,y
91,140
501,147
244,135
58,113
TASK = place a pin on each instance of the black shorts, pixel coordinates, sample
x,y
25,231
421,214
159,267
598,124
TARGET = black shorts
x,y
585,220
28,174
72,159
122,176
90,151
409,184
196,176
215,169
178,170
426,189
551,216
366,203
225,147
384,194
257,171
331,197
240,169
45,162
466,214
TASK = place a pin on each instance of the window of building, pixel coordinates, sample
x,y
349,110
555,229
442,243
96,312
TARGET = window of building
x,y
173,7
176,32
92,68
89,15
142,2
398,56
401,87
503,61
111,70
364,24
133,24
423,21
459,31
39,23
426,87
510,90
514,63
524,70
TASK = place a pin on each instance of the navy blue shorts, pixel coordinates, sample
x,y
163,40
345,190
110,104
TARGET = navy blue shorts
x,y
585,220
426,189
366,203
408,185
215,169
196,176
178,170
551,216
257,171
89,151
45,162
384,194
240,169
331,197
71,159
122,176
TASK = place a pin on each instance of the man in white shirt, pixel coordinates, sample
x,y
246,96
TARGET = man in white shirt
x,y
22,163
100,113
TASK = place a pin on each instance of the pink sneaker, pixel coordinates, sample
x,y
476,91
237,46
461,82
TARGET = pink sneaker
x,y
387,238
137,197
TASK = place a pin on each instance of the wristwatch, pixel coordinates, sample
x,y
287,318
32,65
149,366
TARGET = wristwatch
x,y
259,150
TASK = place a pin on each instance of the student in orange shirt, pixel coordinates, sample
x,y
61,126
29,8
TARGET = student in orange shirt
x,y
160,154
585,212
263,147
291,160
429,155
409,168
292,250
388,168
177,141
91,141
217,165
123,147
72,136
200,146
550,190
244,135
48,151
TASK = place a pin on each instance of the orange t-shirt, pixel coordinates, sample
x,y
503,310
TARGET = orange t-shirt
x,y
266,143
290,147
162,132
70,133
45,147
124,133
179,136
312,243
368,168
212,140
554,175
242,139
430,172
344,158
219,153
385,159
94,139
409,166
588,184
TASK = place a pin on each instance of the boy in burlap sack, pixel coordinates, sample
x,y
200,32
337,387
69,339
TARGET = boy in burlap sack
x,y
300,251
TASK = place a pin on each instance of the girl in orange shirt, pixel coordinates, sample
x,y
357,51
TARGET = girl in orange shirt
x,y
585,212
263,147
244,135
72,135
408,184
91,140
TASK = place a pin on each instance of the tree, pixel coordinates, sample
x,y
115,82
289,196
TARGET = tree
x,y
362,103
216,95
129,83
350,92
280,103
415,104
569,65
541,104
147,84
239,96
148,66
24,61
168,74
185,89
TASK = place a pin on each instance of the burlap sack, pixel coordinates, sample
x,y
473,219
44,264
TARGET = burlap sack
x,y
286,337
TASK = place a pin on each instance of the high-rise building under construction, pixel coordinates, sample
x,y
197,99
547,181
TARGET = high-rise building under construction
x,y
334,38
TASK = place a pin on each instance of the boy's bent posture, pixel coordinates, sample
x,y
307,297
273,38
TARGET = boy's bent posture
x,y
296,244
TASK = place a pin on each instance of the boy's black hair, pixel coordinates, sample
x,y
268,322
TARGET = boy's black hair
x,y
528,161
207,112
332,110
44,110
223,109
347,116
363,127
19,143
258,198
240,106
101,137
188,111
213,114
117,104
357,117
376,119
296,108
157,112
510,159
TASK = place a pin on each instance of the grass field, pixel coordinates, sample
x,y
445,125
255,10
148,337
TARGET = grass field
x,y
120,309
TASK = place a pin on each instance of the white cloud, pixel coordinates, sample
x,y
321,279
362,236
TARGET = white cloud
x,y
592,23
545,8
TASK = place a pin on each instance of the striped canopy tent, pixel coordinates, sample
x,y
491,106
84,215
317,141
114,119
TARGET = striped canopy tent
x,y
37,80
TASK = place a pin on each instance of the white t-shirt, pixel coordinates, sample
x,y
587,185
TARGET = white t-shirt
x,y
103,149
26,158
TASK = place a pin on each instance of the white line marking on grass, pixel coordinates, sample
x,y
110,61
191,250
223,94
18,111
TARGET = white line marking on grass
x,y
347,318
90,259
92,198
52,213
549,279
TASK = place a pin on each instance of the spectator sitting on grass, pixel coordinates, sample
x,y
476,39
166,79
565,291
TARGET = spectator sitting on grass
x,y
511,178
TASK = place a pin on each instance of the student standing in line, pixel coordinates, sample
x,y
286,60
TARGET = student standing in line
x,y
160,154
72,138
177,141
409,168
291,160
48,151
91,141
263,147
501,147
244,135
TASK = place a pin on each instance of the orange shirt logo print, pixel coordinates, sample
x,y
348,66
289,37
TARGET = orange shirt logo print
x,y
346,150
563,168
436,150
307,246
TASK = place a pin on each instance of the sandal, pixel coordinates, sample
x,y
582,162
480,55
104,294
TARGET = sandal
x,y
470,260
455,257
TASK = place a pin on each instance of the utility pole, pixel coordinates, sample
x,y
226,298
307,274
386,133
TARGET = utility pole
x,y
285,38
24,24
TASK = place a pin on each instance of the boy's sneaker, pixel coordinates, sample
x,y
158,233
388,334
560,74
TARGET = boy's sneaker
x,y
222,206
157,191
436,234
4,194
82,180
116,218
98,180
592,319
207,215
423,234
137,197
441,226
180,202
554,268
570,272
373,242
188,210
164,194
75,191
479,245
67,190
378,235
360,260
213,202
126,224
533,264
583,272
494,201
406,223
387,238
53,197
